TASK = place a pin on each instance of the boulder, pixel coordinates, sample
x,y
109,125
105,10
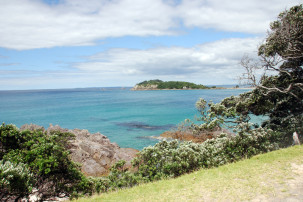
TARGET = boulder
x,y
94,152
188,135
32,127
147,87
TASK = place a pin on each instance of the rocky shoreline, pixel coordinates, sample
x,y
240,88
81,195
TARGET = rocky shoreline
x,y
189,136
94,152
155,87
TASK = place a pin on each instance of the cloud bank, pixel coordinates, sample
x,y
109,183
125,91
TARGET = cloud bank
x,y
31,24
211,64
202,62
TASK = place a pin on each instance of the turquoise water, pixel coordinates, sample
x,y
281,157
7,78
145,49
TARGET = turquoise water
x,y
124,116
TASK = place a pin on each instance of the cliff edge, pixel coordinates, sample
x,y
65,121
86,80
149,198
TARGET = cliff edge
x,y
147,87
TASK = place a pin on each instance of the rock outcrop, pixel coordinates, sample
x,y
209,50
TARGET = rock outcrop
x,y
196,138
147,87
94,152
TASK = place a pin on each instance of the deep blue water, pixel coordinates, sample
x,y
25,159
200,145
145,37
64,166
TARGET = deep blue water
x,y
125,117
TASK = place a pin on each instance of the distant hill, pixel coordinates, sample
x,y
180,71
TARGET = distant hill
x,y
165,85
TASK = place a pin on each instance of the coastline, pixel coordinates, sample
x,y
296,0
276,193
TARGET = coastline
x,y
219,88
93,151
113,112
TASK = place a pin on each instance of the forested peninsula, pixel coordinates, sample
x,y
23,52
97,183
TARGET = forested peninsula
x,y
167,85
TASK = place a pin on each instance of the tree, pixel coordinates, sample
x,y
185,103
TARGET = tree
x,y
282,53
280,94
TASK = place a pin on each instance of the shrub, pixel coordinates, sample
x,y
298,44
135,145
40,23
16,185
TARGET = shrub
x,y
15,179
46,156
48,160
120,177
171,159
100,184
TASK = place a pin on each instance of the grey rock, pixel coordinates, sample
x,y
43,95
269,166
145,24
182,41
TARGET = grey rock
x,y
94,152
32,127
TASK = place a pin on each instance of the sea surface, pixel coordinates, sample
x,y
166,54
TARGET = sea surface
x,y
126,117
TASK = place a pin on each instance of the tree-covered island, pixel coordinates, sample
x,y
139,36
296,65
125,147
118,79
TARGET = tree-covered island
x,y
157,84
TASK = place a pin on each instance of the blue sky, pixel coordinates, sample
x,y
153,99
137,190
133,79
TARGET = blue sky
x,y
47,44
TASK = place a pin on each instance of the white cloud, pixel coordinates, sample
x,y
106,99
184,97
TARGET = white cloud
x,y
250,16
210,64
202,63
30,24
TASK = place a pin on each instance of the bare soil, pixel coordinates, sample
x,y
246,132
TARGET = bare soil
x,y
290,189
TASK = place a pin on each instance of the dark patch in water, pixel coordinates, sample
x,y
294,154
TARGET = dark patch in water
x,y
143,126
145,137
97,119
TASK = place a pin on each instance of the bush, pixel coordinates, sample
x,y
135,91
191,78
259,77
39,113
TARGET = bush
x,y
120,177
100,184
15,179
46,156
171,159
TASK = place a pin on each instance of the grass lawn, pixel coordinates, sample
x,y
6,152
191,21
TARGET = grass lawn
x,y
266,176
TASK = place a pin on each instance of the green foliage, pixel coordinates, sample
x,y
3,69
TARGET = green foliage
x,y
150,82
15,178
180,85
120,177
100,184
167,159
172,84
281,96
285,36
171,159
243,181
48,160
215,116
10,138
46,156
285,111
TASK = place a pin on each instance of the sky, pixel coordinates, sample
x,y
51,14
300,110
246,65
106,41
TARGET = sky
x,y
52,44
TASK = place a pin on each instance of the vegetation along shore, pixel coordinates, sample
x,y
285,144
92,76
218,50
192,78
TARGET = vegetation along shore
x,y
275,176
167,85
157,84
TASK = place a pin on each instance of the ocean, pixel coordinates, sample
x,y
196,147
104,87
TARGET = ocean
x,y
126,117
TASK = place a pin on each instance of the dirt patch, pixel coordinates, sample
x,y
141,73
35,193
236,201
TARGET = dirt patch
x,y
289,189
182,136
188,135
296,184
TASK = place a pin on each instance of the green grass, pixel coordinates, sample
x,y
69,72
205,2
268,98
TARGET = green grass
x,y
262,175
